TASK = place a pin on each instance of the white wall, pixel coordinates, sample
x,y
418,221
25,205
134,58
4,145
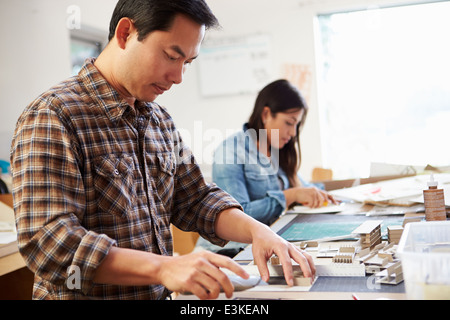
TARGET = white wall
x,y
35,52
35,55
291,26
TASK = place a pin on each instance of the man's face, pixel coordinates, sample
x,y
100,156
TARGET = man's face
x,y
152,66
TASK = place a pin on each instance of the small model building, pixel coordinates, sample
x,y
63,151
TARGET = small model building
x,y
369,233
392,274
274,260
345,255
394,234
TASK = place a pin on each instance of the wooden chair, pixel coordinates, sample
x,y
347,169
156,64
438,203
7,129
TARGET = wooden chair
x,y
183,242
321,174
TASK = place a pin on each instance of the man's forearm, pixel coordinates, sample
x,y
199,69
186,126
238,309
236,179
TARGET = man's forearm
x,y
129,267
198,273
234,225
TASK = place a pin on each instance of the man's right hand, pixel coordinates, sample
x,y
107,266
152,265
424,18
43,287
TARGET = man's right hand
x,y
199,273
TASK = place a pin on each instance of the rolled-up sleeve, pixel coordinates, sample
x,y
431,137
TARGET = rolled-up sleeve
x,y
49,201
197,204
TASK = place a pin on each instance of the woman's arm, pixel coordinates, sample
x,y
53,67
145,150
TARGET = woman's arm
x,y
231,178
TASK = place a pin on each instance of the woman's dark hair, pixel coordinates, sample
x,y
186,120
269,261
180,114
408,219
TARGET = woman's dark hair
x,y
281,96
152,15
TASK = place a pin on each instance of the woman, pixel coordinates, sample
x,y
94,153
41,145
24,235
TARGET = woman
x,y
258,166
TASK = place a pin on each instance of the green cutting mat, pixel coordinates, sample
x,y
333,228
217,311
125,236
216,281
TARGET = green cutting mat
x,y
299,230
310,231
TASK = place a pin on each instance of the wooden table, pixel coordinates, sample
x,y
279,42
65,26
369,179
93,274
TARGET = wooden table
x,y
246,256
16,280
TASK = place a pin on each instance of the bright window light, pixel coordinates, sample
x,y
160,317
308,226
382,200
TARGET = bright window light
x,y
384,87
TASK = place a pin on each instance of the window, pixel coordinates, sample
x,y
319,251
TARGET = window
x,y
85,43
384,87
80,50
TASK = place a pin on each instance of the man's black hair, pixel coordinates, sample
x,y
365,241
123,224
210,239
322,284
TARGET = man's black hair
x,y
152,15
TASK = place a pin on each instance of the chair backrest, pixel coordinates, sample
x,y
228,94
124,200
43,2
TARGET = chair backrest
x,y
183,242
321,174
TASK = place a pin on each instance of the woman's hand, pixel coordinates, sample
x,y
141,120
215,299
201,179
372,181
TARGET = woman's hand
x,y
311,197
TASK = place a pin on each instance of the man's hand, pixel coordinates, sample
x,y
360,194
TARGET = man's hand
x,y
266,243
235,225
199,274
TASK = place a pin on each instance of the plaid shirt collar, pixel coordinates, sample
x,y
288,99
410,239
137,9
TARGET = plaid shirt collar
x,y
106,95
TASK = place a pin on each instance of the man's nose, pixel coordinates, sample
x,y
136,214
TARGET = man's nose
x,y
176,75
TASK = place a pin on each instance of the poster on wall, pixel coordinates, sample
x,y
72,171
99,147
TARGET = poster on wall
x,y
234,65
300,75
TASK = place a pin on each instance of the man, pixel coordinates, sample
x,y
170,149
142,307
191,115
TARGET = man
x,y
100,173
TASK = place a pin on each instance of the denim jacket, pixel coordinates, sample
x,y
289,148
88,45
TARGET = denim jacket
x,y
253,179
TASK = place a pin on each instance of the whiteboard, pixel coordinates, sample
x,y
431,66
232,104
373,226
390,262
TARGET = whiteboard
x,y
234,65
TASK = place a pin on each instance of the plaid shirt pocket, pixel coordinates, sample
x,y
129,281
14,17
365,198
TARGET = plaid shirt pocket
x,y
114,184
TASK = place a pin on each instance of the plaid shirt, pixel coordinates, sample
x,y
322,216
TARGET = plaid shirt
x,y
91,172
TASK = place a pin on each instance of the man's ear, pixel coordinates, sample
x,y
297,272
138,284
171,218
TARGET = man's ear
x,y
125,28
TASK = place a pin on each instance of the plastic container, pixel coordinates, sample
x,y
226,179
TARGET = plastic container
x,y
424,250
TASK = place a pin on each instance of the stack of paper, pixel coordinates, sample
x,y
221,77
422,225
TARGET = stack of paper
x,y
390,192
8,234
8,239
